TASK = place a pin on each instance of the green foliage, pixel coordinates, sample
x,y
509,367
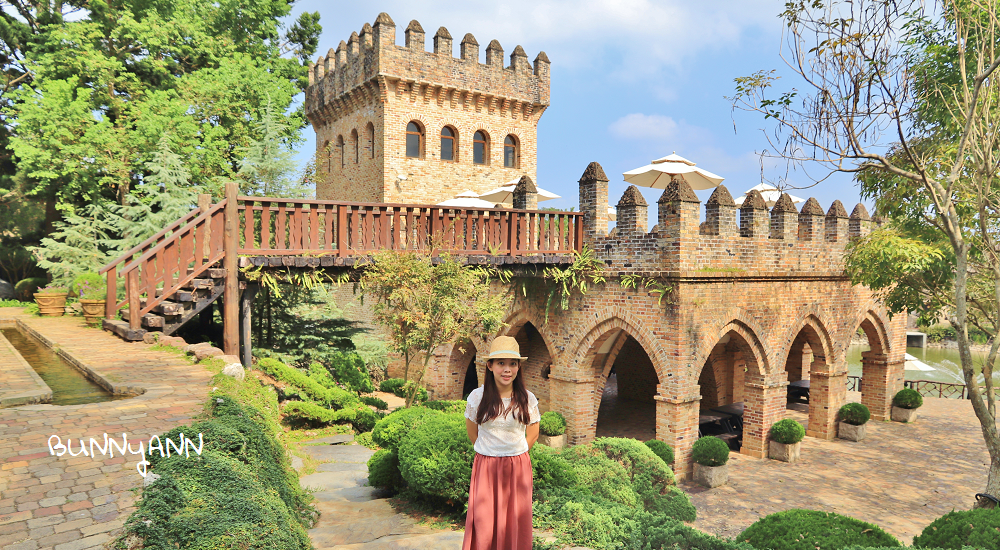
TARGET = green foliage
x,y
979,528
446,406
413,391
937,333
16,262
379,404
269,168
787,431
549,469
83,242
239,491
365,440
89,286
813,530
391,385
304,413
12,303
350,370
562,282
322,376
552,423
662,450
389,432
383,470
435,458
31,309
422,302
710,451
854,413
306,387
25,289
908,398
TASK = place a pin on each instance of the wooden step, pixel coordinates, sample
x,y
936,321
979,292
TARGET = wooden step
x,y
217,272
122,329
185,295
165,307
196,284
150,320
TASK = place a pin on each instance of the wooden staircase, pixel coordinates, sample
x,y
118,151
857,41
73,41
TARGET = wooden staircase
x,y
184,304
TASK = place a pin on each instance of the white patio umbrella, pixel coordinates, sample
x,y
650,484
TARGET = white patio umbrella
x,y
912,363
657,175
505,193
770,193
467,199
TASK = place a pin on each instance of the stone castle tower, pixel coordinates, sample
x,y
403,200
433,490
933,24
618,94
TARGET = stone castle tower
x,y
400,124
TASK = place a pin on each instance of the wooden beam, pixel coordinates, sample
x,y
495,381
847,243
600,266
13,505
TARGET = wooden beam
x,y
246,306
230,308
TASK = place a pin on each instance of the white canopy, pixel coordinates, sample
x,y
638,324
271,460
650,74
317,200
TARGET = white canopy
x,y
912,363
657,174
770,193
505,193
467,199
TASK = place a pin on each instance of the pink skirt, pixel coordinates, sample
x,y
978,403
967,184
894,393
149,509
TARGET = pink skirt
x,y
499,504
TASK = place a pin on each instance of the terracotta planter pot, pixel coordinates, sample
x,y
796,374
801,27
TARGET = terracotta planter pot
x,y
850,432
554,441
785,452
899,414
711,476
93,310
51,305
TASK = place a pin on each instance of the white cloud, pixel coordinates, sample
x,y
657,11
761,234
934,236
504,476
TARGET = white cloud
x,y
640,126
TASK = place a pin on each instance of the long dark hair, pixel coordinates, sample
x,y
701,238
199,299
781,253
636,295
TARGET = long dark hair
x,y
492,405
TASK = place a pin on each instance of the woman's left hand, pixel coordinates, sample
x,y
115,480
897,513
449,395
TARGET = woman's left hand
x,y
531,434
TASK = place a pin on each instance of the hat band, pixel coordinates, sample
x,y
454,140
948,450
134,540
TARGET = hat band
x,y
504,351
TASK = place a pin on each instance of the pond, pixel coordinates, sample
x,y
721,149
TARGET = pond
x,y
69,386
945,360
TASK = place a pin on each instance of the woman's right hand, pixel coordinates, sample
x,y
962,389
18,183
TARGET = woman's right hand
x,y
472,429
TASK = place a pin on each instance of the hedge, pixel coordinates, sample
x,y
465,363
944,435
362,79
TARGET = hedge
x,y
446,406
360,416
798,529
662,450
549,469
308,387
710,451
383,470
389,432
552,424
379,404
979,528
390,385
908,398
854,413
435,458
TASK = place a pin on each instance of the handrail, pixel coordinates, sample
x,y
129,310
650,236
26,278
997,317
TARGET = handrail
x,y
147,242
190,225
243,198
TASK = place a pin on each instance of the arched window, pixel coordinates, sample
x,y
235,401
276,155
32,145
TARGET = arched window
x,y
326,152
480,148
448,149
370,137
354,145
340,145
414,140
510,152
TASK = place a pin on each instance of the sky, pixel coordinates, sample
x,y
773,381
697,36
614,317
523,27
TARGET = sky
x,y
632,81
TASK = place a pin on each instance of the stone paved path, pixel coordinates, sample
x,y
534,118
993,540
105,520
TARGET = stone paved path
x,y
354,516
901,477
72,503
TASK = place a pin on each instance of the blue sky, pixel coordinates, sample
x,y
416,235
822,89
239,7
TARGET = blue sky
x,y
632,80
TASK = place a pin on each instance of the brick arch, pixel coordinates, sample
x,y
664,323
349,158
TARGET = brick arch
x,y
819,337
740,321
874,327
584,347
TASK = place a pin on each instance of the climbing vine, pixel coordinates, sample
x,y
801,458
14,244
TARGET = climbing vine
x,y
651,285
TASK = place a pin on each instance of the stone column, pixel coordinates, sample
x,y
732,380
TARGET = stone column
x,y
525,194
827,393
720,214
594,202
859,224
632,213
764,404
785,219
811,221
574,399
880,380
677,426
754,221
836,223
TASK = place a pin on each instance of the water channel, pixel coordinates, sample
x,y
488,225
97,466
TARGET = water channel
x,y
69,386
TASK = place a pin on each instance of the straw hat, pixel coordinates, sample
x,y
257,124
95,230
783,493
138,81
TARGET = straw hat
x,y
505,347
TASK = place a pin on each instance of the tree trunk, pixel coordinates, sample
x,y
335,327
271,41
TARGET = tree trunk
x,y
992,484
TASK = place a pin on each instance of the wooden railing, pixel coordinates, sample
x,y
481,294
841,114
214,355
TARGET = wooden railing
x,y
270,226
930,388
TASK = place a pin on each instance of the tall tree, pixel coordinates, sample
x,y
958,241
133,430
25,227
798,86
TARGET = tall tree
x,y
905,95
268,167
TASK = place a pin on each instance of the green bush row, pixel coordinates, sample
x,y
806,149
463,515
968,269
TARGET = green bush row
x,y
309,388
361,417
379,404
662,450
810,530
447,406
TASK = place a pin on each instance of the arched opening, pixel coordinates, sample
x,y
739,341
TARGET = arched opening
x,y
815,391
326,153
511,152
880,379
414,140
480,147
449,144
340,147
370,139
722,384
627,384
462,365
355,146
535,369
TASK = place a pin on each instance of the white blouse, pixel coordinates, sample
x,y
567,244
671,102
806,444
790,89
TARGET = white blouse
x,y
504,435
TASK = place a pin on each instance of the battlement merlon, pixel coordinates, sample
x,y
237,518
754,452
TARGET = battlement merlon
x,y
373,57
748,240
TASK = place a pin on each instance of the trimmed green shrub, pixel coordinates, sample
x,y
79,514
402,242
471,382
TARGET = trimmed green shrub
x,y
908,398
379,404
25,289
390,385
813,530
305,413
349,369
549,469
446,406
435,458
365,440
89,286
239,492
979,528
405,389
662,450
322,376
309,388
854,413
787,431
383,470
710,451
552,423
389,431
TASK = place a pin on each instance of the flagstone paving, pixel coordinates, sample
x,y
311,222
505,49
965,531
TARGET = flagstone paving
x,y
73,503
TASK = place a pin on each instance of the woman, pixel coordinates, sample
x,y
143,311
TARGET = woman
x,y
502,420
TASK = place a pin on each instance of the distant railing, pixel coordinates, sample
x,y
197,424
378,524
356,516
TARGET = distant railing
x,y
853,383
272,226
930,388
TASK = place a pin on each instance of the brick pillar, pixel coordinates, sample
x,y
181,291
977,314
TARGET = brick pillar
x,y
574,399
633,213
836,223
880,380
443,42
525,194
785,219
811,221
859,223
754,221
678,210
720,214
677,426
764,404
594,202
827,393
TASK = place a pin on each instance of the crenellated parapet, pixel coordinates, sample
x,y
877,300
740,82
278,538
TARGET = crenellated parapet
x,y
749,240
370,66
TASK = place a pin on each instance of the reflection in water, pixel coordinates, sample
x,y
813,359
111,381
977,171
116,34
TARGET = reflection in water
x,y
945,360
69,386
